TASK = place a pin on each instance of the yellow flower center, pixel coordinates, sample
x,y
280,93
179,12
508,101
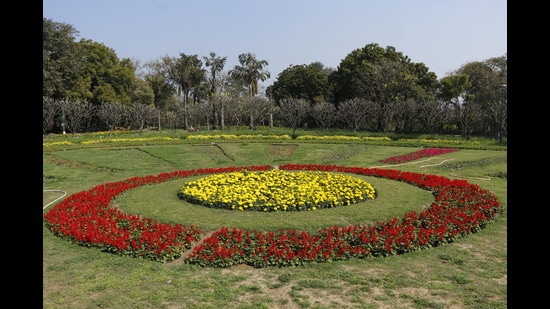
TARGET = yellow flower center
x,y
277,190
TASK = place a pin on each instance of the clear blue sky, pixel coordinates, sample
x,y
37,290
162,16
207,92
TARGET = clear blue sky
x,y
442,34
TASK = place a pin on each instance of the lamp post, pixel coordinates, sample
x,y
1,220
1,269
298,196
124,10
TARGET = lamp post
x,y
503,87
63,117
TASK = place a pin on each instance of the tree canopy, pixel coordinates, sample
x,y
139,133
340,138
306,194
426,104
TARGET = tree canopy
x,y
62,67
308,82
355,68
250,71
392,93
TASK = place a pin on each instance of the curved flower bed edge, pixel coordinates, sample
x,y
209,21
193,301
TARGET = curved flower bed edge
x,y
459,209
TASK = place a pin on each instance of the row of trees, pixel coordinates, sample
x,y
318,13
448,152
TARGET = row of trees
x,y
373,88
356,114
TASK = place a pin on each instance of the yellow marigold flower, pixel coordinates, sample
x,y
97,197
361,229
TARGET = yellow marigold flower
x,y
277,190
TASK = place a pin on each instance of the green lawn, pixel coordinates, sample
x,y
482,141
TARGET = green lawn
x,y
470,273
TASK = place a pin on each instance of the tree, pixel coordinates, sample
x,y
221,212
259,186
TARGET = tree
x,y
172,119
470,117
250,71
140,115
62,64
112,114
50,110
142,92
384,83
324,113
361,61
477,83
486,79
222,101
294,111
157,75
426,83
111,79
76,113
235,87
354,113
347,70
308,82
162,91
235,110
187,72
433,115
405,115
256,108
453,90
198,114
216,65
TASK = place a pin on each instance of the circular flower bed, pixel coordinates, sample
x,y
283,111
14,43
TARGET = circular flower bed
x,y
459,208
276,190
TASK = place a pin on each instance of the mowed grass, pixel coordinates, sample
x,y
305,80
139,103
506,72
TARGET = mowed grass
x,y
470,273
166,207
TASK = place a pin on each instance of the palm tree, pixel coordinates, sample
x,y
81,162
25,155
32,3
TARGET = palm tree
x,y
216,65
250,71
162,90
188,74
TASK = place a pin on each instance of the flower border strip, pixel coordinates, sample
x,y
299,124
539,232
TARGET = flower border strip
x,y
426,152
459,209
85,218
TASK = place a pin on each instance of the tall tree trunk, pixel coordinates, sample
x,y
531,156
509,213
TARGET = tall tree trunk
x,y
251,125
222,119
216,120
214,115
185,122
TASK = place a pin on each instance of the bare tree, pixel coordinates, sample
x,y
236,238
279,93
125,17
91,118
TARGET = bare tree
x,y
172,119
76,114
354,113
470,116
433,115
404,114
496,114
220,106
256,107
324,114
112,114
197,113
235,111
140,115
294,111
50,109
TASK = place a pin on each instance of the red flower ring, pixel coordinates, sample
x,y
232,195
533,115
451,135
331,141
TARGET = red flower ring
x,y
460,208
